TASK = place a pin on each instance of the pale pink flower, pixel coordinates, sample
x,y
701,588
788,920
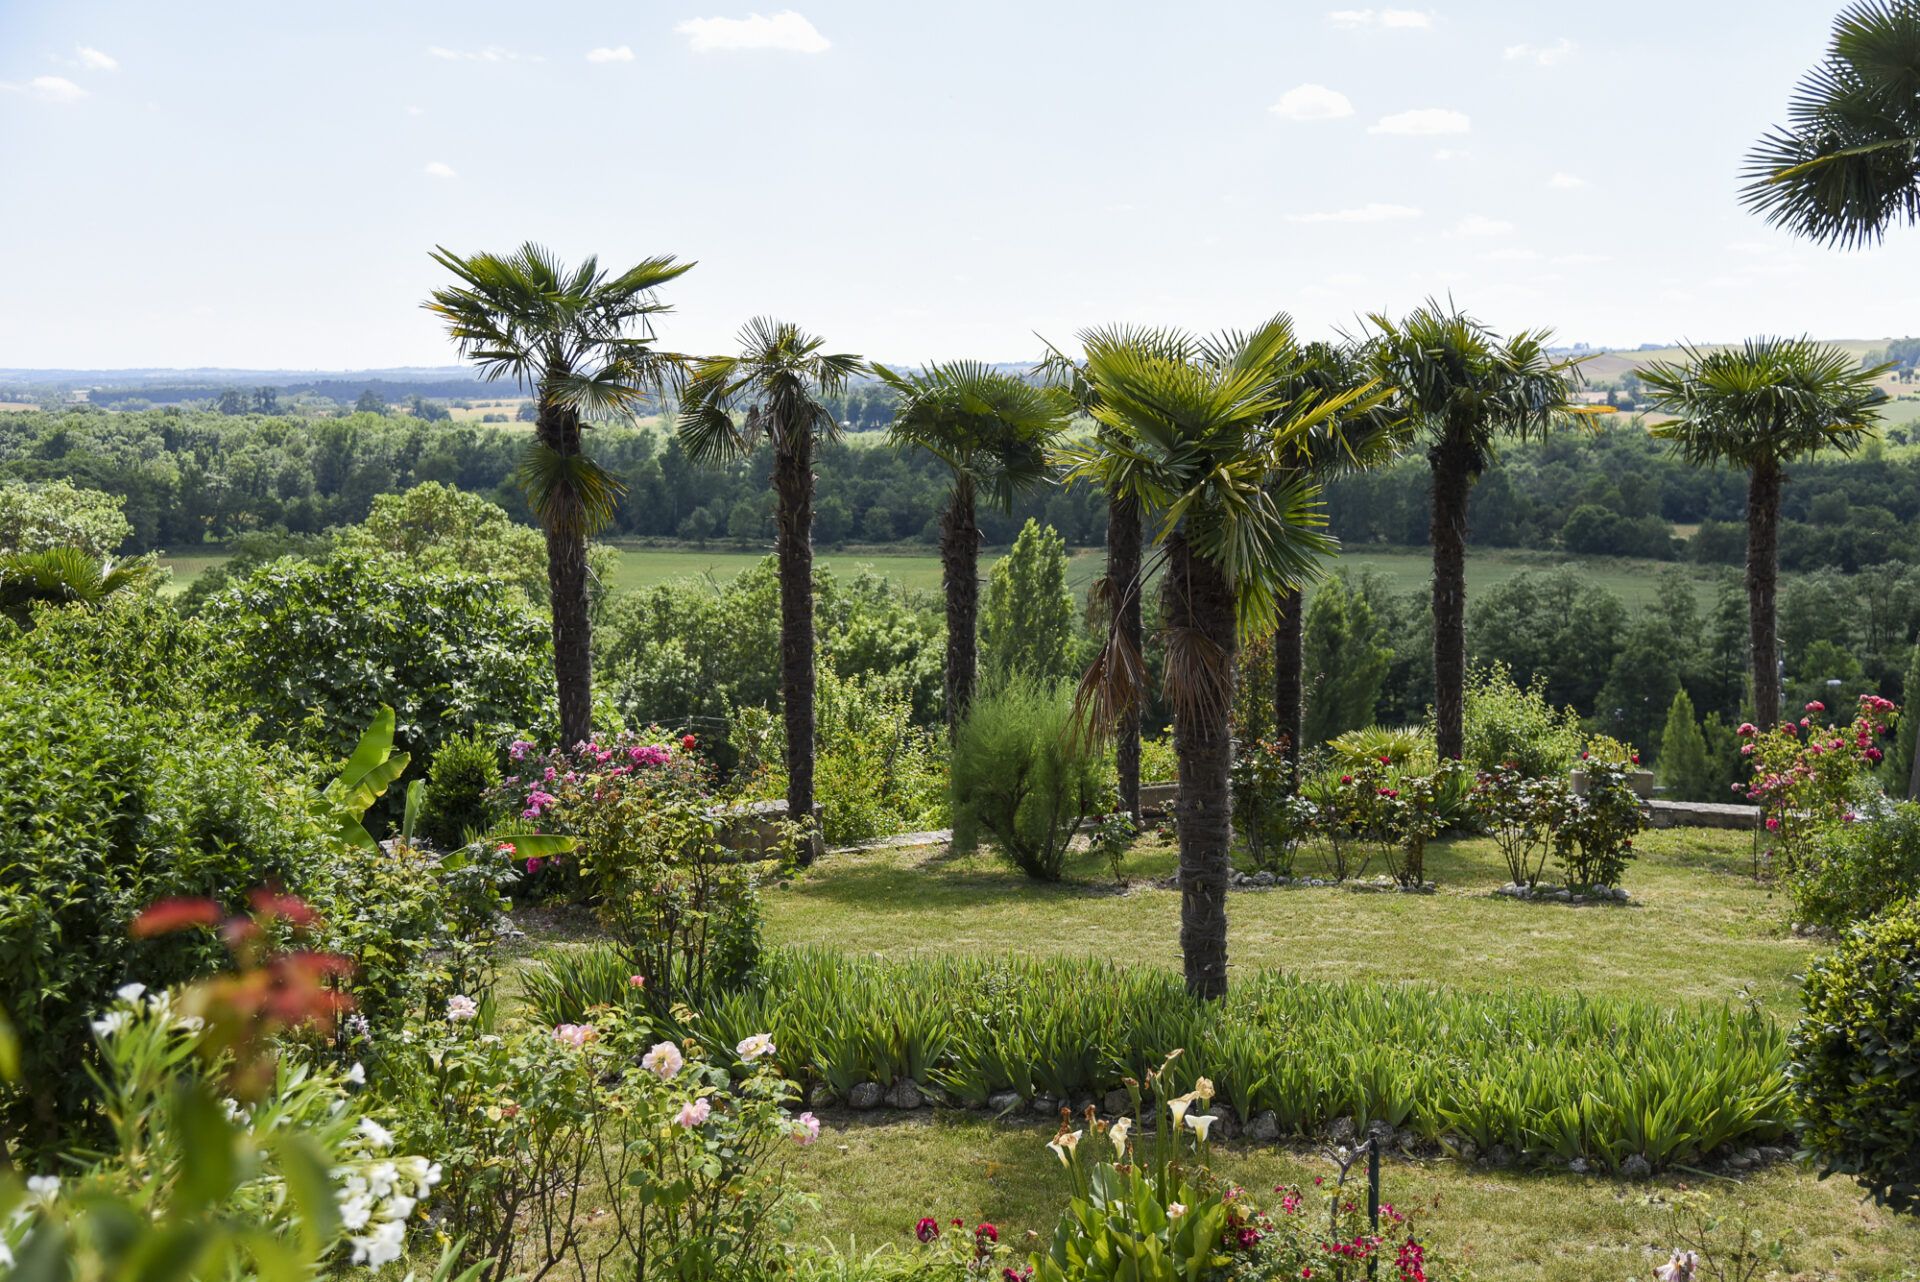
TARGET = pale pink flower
x,y
664,1061
694,1114
806,1129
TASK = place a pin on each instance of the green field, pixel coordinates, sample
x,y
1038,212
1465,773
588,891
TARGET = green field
x,y
1405,569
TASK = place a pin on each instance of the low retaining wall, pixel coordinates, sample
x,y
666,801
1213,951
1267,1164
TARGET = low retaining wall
x,y
756,830
1702,814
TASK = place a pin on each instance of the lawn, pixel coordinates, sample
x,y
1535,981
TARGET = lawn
x,y
1699,927
876,1177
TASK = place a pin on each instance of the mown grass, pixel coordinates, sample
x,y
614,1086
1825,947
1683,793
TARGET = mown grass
x,y
1699,927
875,1178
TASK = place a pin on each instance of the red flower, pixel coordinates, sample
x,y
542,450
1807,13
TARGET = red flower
x,y
169,915
1816,706
986,1232
687,742
1636,758
927,1229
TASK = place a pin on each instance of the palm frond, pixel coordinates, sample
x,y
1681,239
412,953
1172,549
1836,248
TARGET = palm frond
x,y
568,493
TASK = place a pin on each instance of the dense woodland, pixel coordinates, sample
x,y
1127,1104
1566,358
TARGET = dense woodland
x,y
191,476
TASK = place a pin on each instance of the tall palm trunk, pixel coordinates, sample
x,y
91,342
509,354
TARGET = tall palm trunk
x,y
1201,616
1763,573
1123,575
1451,462
960,577
1289,650
793,492
567,588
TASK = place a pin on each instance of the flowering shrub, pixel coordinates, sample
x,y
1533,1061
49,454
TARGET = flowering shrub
x,y
548,787
1522,813
520,1118
1594,840
1112,837
1388,795
253,1162
1808,774
684,911
1269,813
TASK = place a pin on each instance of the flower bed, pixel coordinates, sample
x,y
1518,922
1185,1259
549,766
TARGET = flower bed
x,y
1619,1084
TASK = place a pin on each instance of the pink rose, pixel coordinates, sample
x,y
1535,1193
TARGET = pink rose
x,y
694,1114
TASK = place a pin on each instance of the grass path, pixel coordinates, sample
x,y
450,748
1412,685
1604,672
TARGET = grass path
x,y
1699,929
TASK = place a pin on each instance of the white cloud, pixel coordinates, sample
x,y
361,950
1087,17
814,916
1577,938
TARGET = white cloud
x,y
1582,260
1312,102
416,111
1424,122
785,30
621,54
1545,55
1512,255
1445,154
492,53
94,60
1566,182
439,169
1400,19
1373,213
1481,225
48,89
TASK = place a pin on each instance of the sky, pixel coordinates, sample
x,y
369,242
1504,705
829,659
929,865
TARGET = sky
x,y
258,185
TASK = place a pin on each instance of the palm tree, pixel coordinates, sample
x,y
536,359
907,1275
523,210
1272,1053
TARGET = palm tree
x,y
1120,589
582,343
1196,431
1462,388
67,576
992,431
1758,407
773,392
1847,166
1371,432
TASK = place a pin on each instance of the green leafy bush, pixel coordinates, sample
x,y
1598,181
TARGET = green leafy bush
x,y
108,806
39,518
1024,775
1855,1058
1594,839
1507,725
1270,816
1855,868
1521,814
314,649
464,774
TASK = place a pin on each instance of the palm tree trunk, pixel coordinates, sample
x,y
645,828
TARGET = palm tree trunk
x,y
1200,603
1288,664
567,588
960,576
1123,574
793,491
1763,574
1451,462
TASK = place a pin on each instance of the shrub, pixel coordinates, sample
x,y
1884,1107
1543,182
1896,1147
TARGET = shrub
x,y
875,771
284,1182
688,1150
682,907
1024,775
1854,1058
1507,725
1685,767
1158,762
109,806
1522,814
1854,869
1807,775
316,648
464,775
39,518
1269,814
1594,840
